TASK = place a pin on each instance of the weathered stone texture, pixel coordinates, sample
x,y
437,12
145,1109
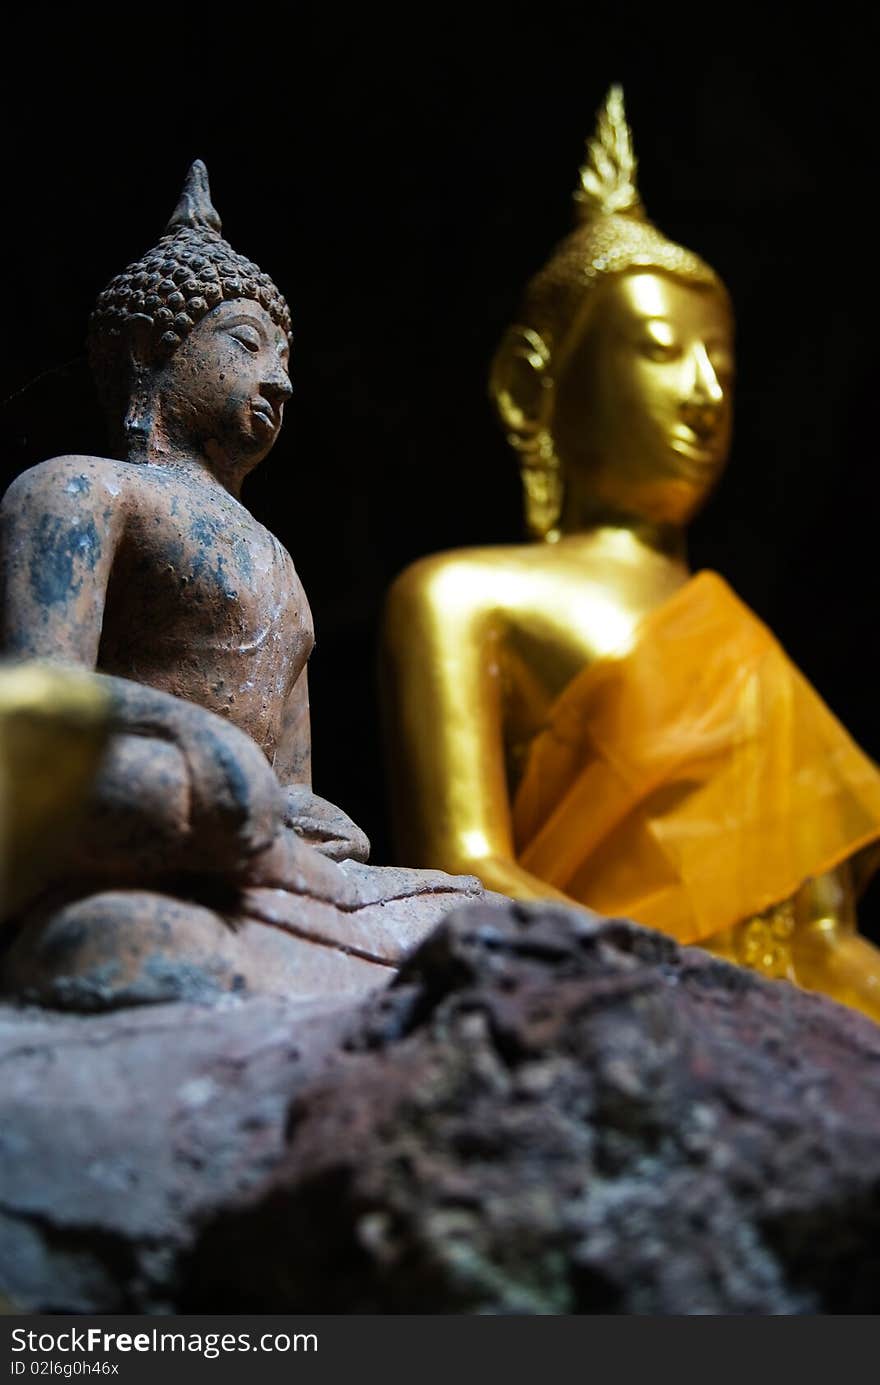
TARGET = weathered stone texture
x,y
545,1113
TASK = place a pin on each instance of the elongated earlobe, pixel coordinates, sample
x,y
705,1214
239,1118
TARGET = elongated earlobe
x,y
522,390
520,381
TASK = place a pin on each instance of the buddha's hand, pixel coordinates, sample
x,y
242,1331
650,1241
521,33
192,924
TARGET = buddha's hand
x,y
324,826
291,866
237,802
180,789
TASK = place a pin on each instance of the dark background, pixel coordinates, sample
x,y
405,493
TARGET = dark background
x,y
401,178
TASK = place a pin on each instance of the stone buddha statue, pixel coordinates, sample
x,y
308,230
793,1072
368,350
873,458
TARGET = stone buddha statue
x,y
204,863
580,717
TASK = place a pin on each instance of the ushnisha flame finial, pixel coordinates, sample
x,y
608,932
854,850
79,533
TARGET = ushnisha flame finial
x,y
608,174
195,208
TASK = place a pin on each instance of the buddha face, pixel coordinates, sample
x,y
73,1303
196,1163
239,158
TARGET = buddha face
x,y
222,392
641,416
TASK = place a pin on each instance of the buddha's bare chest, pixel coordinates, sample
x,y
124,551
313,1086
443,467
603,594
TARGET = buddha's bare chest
x,y
204,602
571,621
570,624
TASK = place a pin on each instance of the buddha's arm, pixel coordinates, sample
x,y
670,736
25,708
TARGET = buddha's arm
x,y
204,794
321,824
293,754
58,535
443,707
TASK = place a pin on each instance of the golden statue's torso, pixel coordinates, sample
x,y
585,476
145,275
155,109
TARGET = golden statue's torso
x,y
541,613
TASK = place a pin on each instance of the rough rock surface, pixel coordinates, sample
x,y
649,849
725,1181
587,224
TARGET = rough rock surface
x,y
545,1113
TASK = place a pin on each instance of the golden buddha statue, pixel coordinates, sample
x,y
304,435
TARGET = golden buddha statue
x,y
581,718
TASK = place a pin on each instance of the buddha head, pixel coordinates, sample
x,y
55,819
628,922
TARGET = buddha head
x,y
190,344
615,385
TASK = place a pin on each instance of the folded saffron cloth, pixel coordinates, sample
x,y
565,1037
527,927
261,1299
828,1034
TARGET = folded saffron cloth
x,y
696,780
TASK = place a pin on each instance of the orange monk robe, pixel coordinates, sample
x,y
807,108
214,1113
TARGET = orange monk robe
x,y
695,781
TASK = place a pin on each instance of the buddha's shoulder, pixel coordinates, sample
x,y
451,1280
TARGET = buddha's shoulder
x,y
70,481
473,576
